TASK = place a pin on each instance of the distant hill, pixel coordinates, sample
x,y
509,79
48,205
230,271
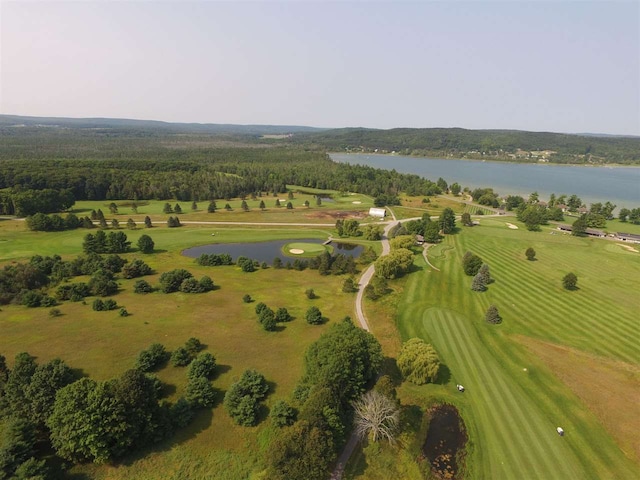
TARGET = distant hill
x,y
151,125
508,145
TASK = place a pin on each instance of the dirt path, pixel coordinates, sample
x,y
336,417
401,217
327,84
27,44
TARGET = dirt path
x,y
426,259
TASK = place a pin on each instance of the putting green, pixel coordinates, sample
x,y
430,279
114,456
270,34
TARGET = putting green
x,y
303,249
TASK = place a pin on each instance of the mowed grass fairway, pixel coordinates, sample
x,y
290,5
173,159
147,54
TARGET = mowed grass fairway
x,y
103,345
513,401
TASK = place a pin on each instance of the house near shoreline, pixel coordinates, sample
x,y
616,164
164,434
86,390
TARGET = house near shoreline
x,y
591,232
628,237
377,212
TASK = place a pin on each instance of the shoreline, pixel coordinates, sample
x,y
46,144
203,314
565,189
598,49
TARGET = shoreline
x,y
492,160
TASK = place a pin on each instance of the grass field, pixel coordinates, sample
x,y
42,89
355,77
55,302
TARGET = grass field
x,y
103,345
511,413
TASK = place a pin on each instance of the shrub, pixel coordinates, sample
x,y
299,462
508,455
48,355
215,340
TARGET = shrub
x,y
200,393
282,315
478,284
203,366
493,316
190,285
246,298
267,319
206,284
242,398
314,316
172,280
152,357
180,357
570,281
123,312
181,413
55,312
310,293
530,254
136,268
193,346
110,304
349,285
142,286
98,305
282,414
260,307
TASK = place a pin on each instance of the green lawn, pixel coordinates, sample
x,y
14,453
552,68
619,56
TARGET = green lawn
x,y
511,413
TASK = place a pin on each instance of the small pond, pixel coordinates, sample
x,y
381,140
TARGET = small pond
x,y
267,251
444,446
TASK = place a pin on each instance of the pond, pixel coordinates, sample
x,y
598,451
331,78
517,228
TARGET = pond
x,y
267,251
445,444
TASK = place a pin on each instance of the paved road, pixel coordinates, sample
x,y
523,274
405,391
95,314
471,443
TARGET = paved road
x,y
363,282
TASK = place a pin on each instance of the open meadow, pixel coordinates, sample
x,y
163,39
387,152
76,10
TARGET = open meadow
x,y
560,358
104,345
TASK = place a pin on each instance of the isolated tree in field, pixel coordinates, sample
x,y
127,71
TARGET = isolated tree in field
x,y
167,208
310,293
289,205
177,208
478,284
146,244
115,223
277,202
466,219
493,316
267,319
244,206
447,221
418,361
314,316
246,298
142,286
194,206
530,254
212,207
570,281
113,208
282,315
147,222
262,205
131,225
376,417
318,201
306,203
471,263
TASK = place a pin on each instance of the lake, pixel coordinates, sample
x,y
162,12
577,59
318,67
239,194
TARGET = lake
x,y
267,251
619,185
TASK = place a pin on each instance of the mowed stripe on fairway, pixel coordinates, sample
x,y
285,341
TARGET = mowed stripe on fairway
x,y
523,443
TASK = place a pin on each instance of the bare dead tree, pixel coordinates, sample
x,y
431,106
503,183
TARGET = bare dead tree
x,y
376,416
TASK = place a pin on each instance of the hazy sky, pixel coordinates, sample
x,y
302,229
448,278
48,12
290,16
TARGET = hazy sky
x,y
555,66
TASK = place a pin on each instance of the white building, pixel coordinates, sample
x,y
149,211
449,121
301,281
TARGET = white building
x,y
377,212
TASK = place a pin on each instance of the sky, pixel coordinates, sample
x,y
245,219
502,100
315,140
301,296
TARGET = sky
x,y
561,66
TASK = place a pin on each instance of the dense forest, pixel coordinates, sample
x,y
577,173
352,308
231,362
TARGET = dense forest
x,y
509,145
106,164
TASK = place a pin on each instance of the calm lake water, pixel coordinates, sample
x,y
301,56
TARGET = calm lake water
x,y
267,251
619,185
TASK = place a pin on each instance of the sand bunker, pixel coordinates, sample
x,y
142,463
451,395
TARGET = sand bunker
x,y
356,202
627,247
512,226
296,251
